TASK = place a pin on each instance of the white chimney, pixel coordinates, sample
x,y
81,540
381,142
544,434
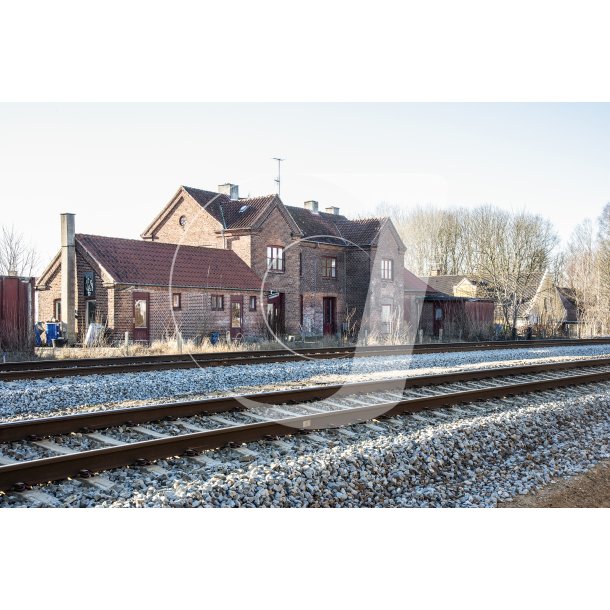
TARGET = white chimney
x,y
68,270
312,206
231,190
331,209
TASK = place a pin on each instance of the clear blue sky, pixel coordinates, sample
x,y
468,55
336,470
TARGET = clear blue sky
x,y
116,165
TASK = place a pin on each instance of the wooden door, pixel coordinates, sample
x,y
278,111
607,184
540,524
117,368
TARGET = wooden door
x,y
329,306
275,313
236,313
141,316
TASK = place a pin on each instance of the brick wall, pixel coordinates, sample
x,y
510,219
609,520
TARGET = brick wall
x,y
194,319
276,231
100,298
46,298
200,228
314,286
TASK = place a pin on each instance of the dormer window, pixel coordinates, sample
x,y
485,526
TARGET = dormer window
x,y
243,208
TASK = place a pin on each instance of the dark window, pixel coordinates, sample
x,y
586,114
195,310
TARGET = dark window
x,y
387,269
275,258
300,263
252,303
218,302
176,301
91,313
329,266
301,306
57,309
89,284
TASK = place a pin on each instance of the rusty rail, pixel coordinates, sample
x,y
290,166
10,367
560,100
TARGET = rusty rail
x,y
39,369
63,466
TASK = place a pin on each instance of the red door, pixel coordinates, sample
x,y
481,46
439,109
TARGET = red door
x,y
329,307
275,312
141,316
237,315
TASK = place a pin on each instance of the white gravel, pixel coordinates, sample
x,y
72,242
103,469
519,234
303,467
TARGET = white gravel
x,y
472,456
62,396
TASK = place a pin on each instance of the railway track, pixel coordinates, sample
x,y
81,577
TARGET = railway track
x,y
39,369
75,447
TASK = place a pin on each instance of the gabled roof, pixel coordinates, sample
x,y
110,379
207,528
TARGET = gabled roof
x,y
336,228
445,283
231,213
145,263
248,213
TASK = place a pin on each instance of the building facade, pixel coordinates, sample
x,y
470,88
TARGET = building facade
x,y
215,262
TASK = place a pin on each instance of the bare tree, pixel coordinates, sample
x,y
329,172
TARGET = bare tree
x,y
435,238
588,274
17,257
511,249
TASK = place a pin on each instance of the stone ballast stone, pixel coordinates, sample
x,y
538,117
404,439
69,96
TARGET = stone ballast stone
x,y
477,458
65,395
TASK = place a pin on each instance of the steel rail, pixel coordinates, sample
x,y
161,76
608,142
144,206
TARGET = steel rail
x,y
86,462
100,366
98,420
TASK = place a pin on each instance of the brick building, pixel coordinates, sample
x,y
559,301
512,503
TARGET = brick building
x,y
319,269
150,290
287,269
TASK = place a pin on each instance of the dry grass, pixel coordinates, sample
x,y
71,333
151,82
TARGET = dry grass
x,y
156,348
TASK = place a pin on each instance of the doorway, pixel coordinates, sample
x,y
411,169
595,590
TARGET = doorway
x,y
275,313
329,312
237,315
141,316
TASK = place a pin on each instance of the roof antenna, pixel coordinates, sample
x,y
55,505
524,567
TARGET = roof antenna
x,y
278,180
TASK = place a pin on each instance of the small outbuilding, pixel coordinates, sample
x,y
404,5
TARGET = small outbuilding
x,y
150,290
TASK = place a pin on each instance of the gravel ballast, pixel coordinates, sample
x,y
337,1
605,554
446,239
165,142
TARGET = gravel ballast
x,y
473,456
66,395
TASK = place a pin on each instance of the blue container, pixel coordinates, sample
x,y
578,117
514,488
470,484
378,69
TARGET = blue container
x,y
53,331
214,338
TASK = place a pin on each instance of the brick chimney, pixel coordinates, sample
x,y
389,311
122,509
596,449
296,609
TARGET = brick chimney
x,y
312,206
231,190
331,209
68,270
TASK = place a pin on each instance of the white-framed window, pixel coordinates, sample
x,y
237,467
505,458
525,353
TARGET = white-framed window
x,y
329,267
275,258
217,302
387,269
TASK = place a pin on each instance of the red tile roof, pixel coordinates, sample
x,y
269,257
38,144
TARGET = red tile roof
x,y
335,228
145,263
230,213
242,213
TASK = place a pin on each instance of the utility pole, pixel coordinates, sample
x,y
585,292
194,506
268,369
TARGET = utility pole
x,y
278,179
